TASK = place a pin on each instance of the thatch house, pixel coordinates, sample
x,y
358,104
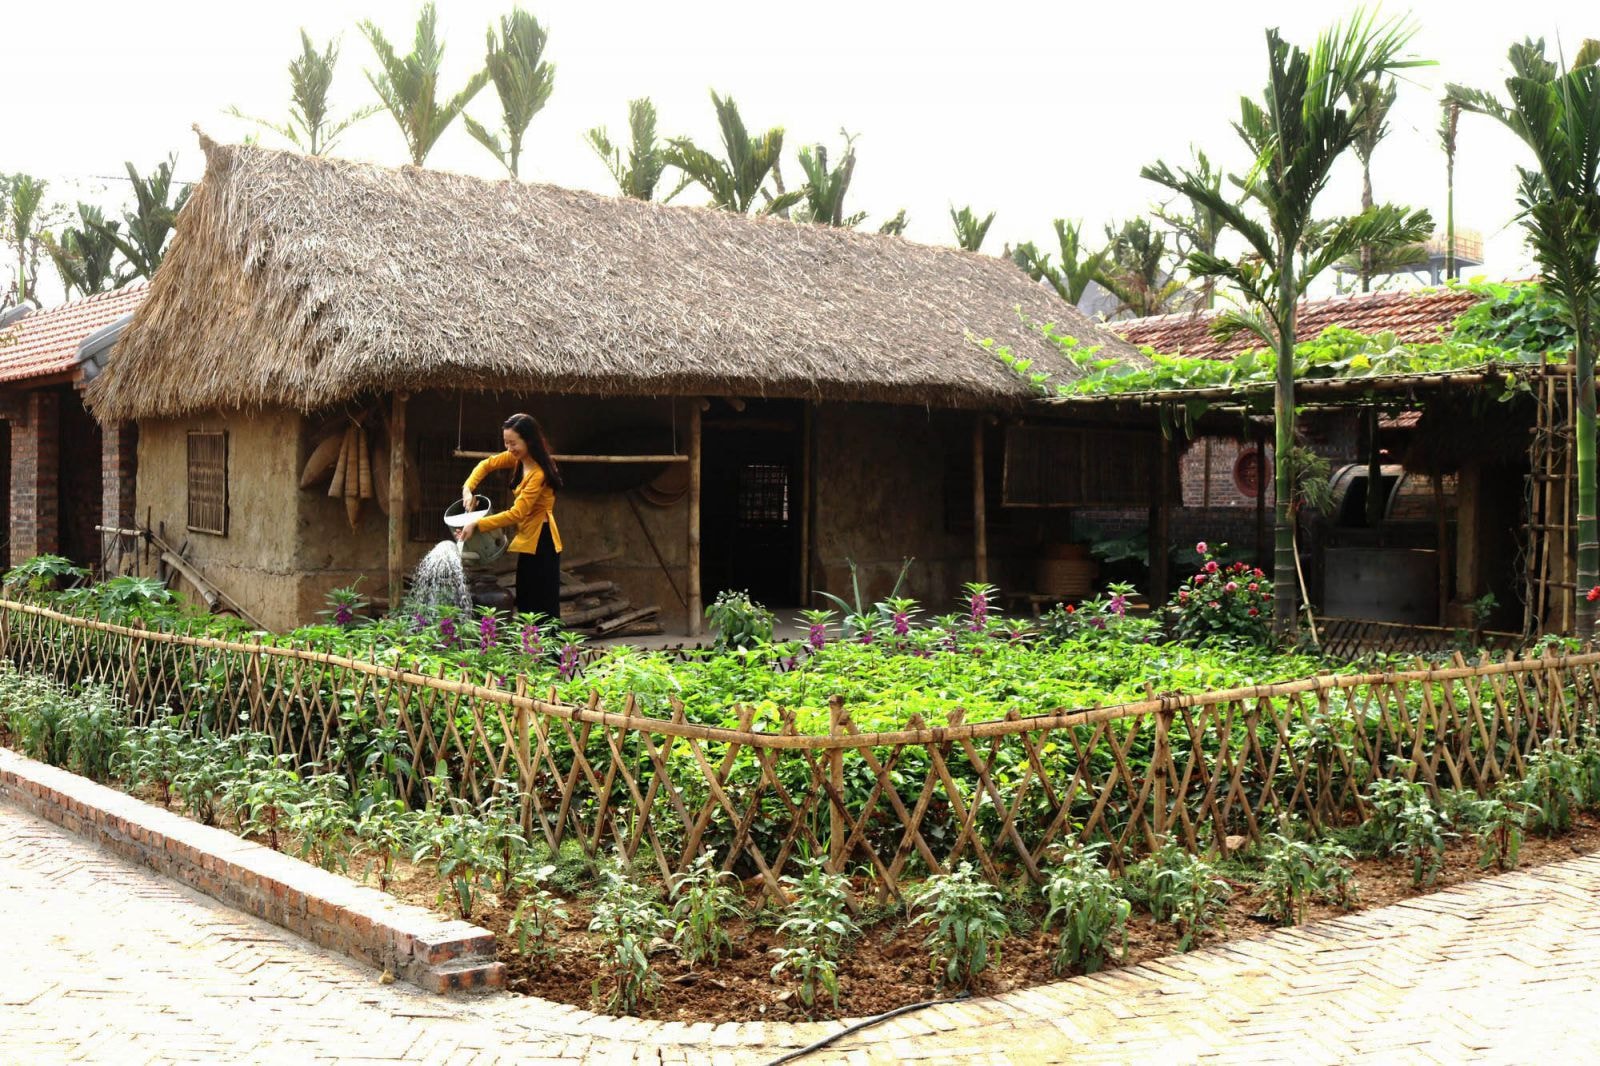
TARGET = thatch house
x,y
801,395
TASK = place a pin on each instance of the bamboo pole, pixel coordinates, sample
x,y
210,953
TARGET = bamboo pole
x,y
397,500
836,778
980,517
468,453
694,594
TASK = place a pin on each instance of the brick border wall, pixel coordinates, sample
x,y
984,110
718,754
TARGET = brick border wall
x,y
333,912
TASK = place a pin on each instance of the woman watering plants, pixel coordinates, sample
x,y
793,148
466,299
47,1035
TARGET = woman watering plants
x,y
532,513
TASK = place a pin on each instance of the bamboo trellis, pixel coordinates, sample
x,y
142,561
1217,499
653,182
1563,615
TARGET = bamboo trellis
x,y
1552,541
1200,770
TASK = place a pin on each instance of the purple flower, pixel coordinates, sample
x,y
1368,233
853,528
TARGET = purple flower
x,y
530,639
818,636
790,663
488,631
418,623
569,661
447,630
979,610
1118,604
866,637
344,615
902,624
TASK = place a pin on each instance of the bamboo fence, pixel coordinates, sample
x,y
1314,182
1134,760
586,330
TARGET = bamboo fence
x,y
1206,771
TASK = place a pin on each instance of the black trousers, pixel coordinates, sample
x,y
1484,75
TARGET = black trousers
x,y
539,578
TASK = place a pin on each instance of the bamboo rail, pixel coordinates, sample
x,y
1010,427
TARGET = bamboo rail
x,y
1198,769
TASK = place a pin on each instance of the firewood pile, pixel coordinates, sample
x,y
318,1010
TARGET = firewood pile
x,y
593,608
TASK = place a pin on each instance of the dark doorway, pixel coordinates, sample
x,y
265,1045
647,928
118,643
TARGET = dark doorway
x,y
79,478
5,493
751,499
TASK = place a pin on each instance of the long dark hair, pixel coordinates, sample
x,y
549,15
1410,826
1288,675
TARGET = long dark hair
x,y
527,427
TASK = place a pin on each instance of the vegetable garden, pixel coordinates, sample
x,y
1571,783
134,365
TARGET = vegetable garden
x,y
885,763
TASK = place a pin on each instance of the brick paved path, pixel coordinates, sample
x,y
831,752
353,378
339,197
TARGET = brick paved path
x,y
109,963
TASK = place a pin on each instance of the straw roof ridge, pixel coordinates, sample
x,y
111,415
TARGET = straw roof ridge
x,y
304,282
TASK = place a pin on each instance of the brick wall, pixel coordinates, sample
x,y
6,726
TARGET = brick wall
x,y
35,498
119,466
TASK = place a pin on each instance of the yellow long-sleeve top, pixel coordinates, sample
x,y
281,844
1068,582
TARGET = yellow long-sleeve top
x,y
533,506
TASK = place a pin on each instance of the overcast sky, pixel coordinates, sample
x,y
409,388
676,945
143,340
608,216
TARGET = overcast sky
x,y
1031,110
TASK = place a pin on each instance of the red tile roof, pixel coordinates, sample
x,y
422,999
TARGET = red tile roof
x,y
1413,315
46,342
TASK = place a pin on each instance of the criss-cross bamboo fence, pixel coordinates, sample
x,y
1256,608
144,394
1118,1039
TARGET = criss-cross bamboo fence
x,y
1204,771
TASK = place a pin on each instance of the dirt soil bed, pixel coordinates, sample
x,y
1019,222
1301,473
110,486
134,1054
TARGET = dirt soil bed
x,y
889,967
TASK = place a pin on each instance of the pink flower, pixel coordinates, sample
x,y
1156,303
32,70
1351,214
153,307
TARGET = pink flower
x,y
1254,612
1200,548
1232,586
1253,587
1211,566
1593,594
1214,605
1183,594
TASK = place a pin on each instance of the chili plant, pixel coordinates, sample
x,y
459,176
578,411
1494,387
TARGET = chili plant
x,y
270,799
1087,903
1293,870
152,755
628,918
968,924
536,925
458,844
703,899
322,821
381,830
1182,889
1554,783
97,728
817,925
1404,822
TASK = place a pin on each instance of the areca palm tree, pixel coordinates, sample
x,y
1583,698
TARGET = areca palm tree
x,y
1198,228
1449,121
1071,274
895,226
522,79
970,229
1135,271
825,186
408,85
1301,125
1371,99
84,255
740,176
640,173
310,127
24,229
145,229
1556,113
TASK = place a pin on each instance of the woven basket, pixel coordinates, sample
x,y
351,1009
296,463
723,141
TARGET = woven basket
x,y
1071,579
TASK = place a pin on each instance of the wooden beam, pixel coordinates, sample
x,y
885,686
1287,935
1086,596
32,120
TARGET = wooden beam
x,y
694,604
805,505
397,500
980,517
467,453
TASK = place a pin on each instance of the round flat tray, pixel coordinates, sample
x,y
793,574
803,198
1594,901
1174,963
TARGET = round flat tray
x,y
455,517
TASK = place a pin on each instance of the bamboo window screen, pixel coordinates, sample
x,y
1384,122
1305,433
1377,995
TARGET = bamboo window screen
x,y
1052,466
208,482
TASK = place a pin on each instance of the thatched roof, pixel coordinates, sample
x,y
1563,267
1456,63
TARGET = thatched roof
x,y
305,282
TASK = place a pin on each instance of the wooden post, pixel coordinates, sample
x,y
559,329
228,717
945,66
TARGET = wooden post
x,y
805,506
980,517
397,500
695,609
1442,556
1160,522
836,778
1261,500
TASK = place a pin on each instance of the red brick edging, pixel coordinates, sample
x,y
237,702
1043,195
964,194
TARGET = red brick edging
x,y
331,911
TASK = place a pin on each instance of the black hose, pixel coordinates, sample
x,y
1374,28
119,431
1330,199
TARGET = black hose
x,y
864,1023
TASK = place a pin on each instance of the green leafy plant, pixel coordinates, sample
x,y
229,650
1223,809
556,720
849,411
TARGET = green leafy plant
x,y
381,830
817,923
1498,822
203,775
628,918
152,756
270,800
540,914
501,816
459,846
321,820
42,574
1553,783
1184,890
1294,870
1088,905
1404,822
967,922
703,900
739,621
